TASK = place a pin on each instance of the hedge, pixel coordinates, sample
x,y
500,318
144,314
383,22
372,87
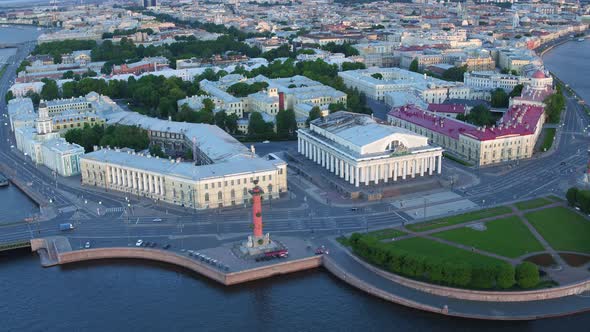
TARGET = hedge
x,y
432,269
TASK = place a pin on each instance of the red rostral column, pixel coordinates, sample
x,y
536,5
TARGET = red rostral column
x,y
256,192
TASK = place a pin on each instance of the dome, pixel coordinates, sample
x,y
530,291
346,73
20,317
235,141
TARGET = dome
x,y
539,74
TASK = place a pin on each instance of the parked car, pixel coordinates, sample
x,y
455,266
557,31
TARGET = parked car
x,y
139,243
87,245
166,246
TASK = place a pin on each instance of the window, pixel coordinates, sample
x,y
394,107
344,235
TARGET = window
x,y
219,196
206,186
206,197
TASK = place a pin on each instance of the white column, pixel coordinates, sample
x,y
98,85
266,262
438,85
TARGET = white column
x,y
422,165
367,171
351,177
386,172
404,169
162,192
145,184
414,165
356,176
439,164
150,184
377,173
395,171
332,163
341,168
431,165
337,167
346,172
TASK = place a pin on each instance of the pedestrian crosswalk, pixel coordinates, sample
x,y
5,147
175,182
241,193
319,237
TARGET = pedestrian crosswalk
x,y
115,209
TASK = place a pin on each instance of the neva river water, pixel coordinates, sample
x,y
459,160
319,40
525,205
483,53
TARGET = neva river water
x,y
571,63
128,295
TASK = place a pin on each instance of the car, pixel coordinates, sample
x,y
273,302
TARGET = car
x,y
190,252
166,246
87,245
147,244
562,163
354,209
265,142
157,220
139,243
153,244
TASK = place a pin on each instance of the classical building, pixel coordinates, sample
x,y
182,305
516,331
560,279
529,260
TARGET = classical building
x,y
512,138
362,151
377,83
222,171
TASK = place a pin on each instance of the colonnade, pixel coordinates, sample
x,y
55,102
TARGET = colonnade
x,y
370,171
136,181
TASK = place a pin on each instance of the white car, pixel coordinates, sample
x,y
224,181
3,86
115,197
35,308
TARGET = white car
x,y
138,243
265,142
87,245
157,220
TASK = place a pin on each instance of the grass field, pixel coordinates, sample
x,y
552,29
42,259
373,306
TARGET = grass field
x,y
562,228
548,139
430,248
533,203
458,219
507,237
388,233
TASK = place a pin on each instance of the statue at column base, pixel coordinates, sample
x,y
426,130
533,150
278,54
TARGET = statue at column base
x,y
258,245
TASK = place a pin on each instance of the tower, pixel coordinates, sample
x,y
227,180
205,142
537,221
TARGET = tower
x,y
43,122
257,243
256,193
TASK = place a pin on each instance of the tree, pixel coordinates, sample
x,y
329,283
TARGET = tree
x,y
9,95
516,91
499,98
232,123
69,90
286,123
156,151
35,98
414,65
220,119
257,125
353,66
455,74
571,196
314,113
527,275
68,75
188,154
505,276
50,90
335,107
377,76
479,116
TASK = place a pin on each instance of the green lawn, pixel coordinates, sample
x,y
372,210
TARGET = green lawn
x,y
430,248
562,228
533,203
388,233
459,219
507,237
548,140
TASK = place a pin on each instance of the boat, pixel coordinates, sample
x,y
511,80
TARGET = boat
x,y
3,180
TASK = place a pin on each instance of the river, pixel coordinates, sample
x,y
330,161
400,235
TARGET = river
x,y
118,295
571,63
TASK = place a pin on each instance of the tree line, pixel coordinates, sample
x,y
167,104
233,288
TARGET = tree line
x,y
439,271
113,136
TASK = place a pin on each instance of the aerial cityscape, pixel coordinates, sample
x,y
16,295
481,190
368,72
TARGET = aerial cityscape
x,y
295,165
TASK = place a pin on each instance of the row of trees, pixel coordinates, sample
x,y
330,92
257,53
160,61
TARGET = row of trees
x,y
114,136
57,48
242,89
438,271
579,197
555,103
